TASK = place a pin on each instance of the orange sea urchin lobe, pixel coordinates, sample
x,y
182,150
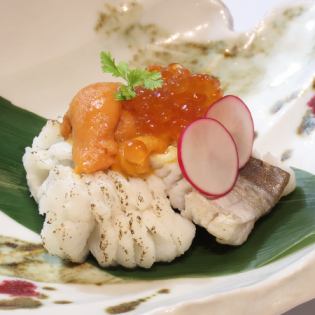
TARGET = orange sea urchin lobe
x,y
91,121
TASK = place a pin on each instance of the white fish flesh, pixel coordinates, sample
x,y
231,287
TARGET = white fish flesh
x,y
231,218
121,221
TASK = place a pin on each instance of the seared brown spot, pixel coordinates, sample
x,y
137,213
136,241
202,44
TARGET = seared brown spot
x,y
30,247
164,291
62,302
49,288
42,296
9,244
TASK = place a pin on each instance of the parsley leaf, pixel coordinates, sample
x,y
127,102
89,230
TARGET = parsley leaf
x,y
133,77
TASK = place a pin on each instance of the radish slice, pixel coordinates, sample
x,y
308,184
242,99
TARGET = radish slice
x,y
237,119
208,158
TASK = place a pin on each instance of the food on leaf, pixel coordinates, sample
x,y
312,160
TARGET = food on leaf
x,y
110,178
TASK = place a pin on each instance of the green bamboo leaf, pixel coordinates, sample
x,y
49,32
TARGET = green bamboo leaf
x,y
288,228
17,129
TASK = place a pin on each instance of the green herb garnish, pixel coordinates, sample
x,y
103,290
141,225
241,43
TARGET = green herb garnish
x,y
133,77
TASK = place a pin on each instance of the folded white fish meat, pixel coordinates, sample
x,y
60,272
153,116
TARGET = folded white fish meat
x,y
64,200
121,221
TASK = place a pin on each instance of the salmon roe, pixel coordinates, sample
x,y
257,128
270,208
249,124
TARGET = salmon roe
x,y
154,119
166,111
123,135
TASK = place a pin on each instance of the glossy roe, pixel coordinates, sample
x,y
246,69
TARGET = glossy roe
x,y
183,98
123,135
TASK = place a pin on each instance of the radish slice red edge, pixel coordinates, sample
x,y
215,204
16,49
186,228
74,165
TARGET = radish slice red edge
x,y
232,112
208,157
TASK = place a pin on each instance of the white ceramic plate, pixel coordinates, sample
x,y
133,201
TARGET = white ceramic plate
x,y
50,49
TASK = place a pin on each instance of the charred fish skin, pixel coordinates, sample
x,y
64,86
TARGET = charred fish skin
x,y
270,178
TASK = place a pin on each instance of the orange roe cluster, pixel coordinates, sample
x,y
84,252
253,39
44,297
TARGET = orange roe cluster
x,y
106,133
154,119
166,111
